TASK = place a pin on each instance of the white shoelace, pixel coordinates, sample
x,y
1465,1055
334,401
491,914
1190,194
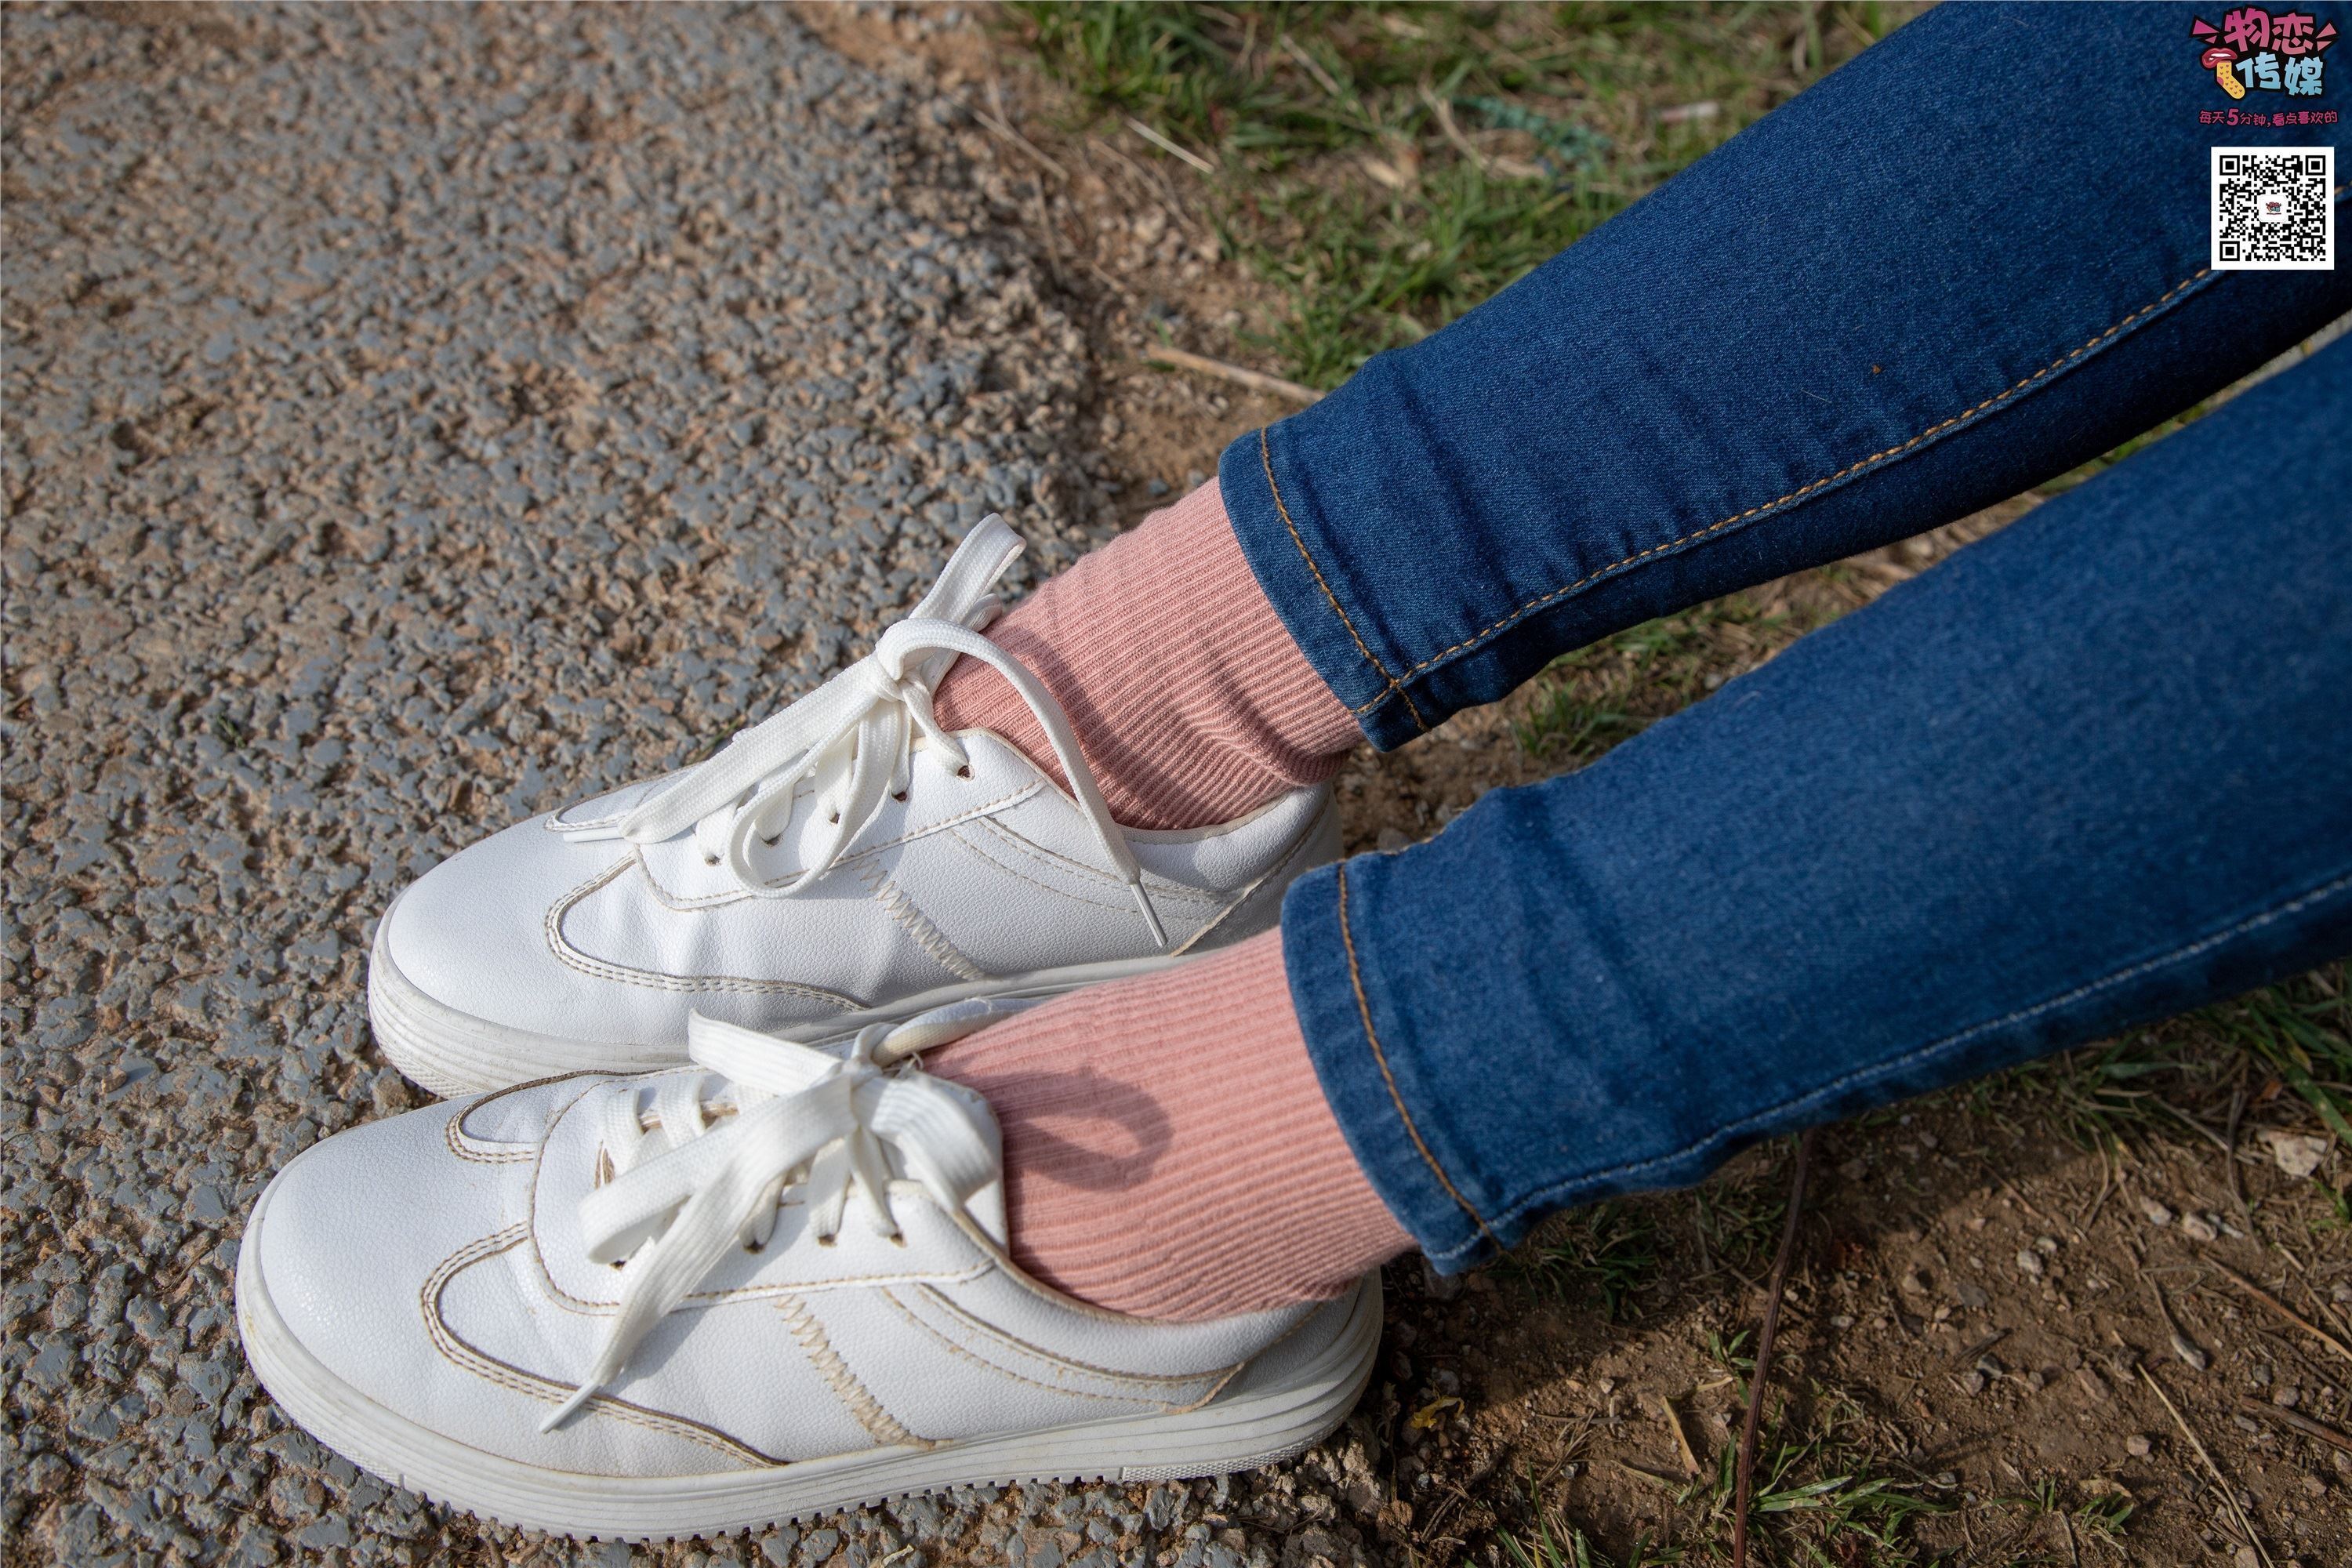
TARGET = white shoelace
x,y
855,735
703,1160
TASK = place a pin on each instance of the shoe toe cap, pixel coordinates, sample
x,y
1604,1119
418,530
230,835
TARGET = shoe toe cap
x,y
338,1248
392,1301
471,935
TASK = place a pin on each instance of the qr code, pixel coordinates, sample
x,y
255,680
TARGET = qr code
x,y
2274,209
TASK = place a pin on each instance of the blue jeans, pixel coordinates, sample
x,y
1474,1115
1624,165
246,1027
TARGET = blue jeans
x,y
2093,770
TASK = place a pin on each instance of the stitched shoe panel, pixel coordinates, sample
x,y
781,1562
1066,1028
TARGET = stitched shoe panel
x,y
842,862
774,1282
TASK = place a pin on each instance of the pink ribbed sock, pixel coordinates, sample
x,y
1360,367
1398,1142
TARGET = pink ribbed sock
x,y
1191,701
1168,1150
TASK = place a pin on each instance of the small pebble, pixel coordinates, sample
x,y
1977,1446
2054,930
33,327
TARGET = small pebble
x,y
2137,1446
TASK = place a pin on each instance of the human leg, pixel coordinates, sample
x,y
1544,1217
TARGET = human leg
x,y
2089,772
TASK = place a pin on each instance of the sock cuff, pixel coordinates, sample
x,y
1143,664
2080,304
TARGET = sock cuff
x,y
1191,700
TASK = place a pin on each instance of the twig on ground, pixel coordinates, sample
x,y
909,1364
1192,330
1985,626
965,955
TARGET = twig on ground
x,y
2023,1201
2106,1188
2297,1422
1108,281
1775,1287
2189,1121
1003,128
2283,1309
2230,1151
1487,163
2220,1482
1656,1478
1682,1439
2186,1349
1165,145
1255,380
1313,66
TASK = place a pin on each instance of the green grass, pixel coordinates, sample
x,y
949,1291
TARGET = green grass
x,y
2297,1033
1609,1251
2302,1030
1610,691
1388,167
1553,1542
1740,1221
2105,1516
1816,1492
1819,1500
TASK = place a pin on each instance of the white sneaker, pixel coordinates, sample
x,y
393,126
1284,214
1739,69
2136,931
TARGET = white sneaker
x,y
845,861
708,1299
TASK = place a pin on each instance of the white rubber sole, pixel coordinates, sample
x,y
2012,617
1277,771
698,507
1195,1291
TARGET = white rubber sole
x,y
451,1053
1241,1429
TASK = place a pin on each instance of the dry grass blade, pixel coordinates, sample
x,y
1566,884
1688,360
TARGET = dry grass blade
x,y
2297,1422
2191,1354
2220,1482
1257,380
1775,1288
2283,1311
1003,129
1166,146
1682,1438
1313,66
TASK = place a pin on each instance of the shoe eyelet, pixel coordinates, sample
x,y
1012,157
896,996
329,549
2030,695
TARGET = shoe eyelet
x,y
710,859
898,795
835,818
899,1240
771,843
965,772
755,1247
828,1241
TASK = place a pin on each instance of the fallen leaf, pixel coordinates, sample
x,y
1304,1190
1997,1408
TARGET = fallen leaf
x,y
1427,1417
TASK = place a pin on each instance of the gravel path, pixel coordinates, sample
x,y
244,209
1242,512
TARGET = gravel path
x,y
416,418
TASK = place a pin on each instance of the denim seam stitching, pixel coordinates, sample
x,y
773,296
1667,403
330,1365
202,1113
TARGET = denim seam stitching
x,y
1394,687
1933,1048
1381,1059
1999,397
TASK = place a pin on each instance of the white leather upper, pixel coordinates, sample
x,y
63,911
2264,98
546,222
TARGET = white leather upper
x,y
560,926
433,1262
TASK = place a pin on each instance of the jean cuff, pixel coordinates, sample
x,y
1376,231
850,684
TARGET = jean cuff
x,y
1275,520
1348,1044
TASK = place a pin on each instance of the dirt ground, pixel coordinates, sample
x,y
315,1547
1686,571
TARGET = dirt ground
x,y
2023,1324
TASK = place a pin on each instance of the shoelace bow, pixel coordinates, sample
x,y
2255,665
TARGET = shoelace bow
x,y
854,737
689,1184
